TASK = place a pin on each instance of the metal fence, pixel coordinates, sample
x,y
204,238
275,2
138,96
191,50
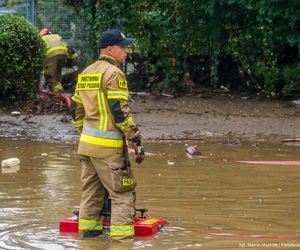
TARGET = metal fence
x,y
24,8
50,14
57,17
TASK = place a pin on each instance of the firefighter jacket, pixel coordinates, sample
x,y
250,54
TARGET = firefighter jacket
x,y
55,45
100,109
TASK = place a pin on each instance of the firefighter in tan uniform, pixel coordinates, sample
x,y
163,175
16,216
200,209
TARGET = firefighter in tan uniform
x,y
101,114
56,58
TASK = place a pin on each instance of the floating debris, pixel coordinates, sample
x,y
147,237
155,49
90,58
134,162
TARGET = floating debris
x,y
193,151
171,163
11,165
10,170
10,162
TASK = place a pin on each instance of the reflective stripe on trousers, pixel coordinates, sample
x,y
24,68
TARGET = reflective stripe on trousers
x,y
119,231
85,224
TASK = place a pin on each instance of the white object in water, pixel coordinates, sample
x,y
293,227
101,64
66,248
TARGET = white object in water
x,y
171,163
10,170
11,162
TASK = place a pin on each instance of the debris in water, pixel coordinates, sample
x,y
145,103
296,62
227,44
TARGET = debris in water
x,y
10,170
192,151
171,163
11,162
11,165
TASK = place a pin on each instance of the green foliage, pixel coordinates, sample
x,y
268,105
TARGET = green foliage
x,y
291,78
256,39
22,57
254,50
172,34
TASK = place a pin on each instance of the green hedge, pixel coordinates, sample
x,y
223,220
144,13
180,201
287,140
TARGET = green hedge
x,y
22,54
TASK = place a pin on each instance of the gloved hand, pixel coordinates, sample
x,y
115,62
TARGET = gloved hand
x,y
139,152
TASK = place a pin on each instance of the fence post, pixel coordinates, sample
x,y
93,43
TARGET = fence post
x,y
33,15
27,9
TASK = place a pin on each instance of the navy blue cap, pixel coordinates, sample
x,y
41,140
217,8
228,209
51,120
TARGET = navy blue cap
x,y
114,37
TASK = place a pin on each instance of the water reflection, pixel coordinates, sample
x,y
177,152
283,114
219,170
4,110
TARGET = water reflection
x,y
211,203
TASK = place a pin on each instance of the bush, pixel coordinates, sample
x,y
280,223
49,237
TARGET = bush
x,y
22,54
291,78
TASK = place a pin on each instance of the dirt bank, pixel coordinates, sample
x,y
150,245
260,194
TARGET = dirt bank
x,y
187,117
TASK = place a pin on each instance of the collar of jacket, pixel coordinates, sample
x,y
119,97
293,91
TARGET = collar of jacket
x,y
109,59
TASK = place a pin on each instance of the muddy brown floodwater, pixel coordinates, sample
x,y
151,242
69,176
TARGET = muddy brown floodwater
x,y
210,203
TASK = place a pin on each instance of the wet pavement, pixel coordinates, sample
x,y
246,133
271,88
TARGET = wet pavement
x,y
211,202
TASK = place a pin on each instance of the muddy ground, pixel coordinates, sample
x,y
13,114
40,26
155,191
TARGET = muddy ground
x,y
162,118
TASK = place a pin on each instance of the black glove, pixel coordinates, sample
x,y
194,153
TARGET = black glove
x,y
139,152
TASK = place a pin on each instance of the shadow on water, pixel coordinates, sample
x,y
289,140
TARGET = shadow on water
x,y
211,203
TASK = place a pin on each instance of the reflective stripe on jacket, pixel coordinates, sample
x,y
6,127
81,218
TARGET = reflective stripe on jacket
x,y
55,45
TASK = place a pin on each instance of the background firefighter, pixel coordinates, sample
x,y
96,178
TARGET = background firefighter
x,y
56,58
100,112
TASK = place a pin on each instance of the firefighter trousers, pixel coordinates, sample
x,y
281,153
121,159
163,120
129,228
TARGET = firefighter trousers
x,y
53,72
98,174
